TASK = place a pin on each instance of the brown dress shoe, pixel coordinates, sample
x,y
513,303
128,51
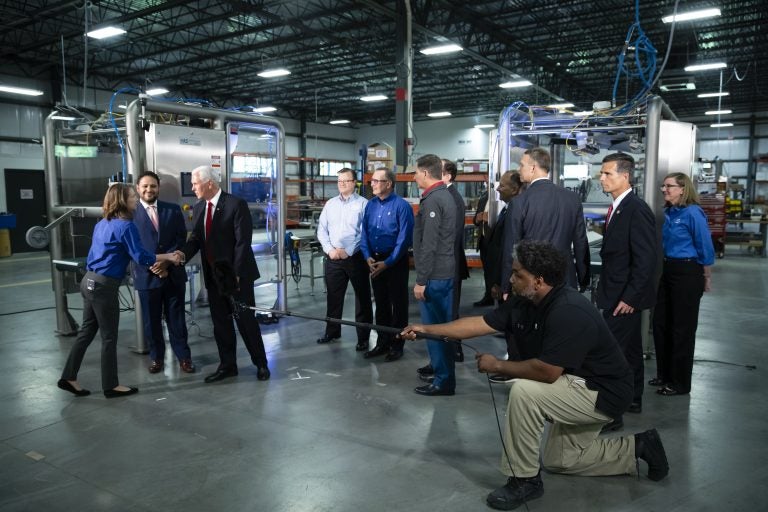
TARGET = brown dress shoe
x,y
187,366
156,367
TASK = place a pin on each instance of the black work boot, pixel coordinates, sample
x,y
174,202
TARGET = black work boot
x,y
516,492
649,448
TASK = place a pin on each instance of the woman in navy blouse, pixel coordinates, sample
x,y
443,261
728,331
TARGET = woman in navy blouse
x,y
688,257
115,242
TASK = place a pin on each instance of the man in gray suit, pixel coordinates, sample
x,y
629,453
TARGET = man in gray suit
x,y
548,213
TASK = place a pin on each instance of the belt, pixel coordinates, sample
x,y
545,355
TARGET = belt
x,y
680,260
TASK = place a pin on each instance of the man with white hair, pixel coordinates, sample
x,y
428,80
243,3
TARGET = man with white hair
x,y
222,233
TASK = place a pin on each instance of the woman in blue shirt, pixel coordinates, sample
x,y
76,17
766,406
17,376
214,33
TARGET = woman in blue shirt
x,y
115,242
688,256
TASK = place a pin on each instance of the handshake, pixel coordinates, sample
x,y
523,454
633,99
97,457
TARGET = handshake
x,y
160,268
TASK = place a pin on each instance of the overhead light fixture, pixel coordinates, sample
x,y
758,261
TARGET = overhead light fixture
x,y
105,32
717,112
693,15
373,97
485,126
264,110
157,91
683,83
272,73
720,125
122,106
63,118
515,83
443,48
713,94
444,113
561,106
339,121
705,67
20,90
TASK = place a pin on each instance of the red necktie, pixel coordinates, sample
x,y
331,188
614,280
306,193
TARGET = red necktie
x,y
208,220
608,215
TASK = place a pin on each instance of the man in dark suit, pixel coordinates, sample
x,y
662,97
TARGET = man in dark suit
x,y
222,232
548,213
629,254
162,230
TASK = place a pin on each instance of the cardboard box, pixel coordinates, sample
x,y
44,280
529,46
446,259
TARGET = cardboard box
x,y
380,151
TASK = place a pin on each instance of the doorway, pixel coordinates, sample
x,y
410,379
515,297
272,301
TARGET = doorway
x,y
25,196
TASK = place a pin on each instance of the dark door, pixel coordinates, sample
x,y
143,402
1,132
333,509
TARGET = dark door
x,y
25,196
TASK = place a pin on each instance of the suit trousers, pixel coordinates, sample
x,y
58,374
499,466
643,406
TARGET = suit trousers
x,y
436,309
338,273
627,331
675,320
247,325
101,313
390,291
168,299
573,446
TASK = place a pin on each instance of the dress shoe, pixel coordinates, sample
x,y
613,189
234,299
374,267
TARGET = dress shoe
x,y
393,355
377,351
432,390
156,367
635,407
262,373
484,302
187,366
648,447
656,382
113,393
429,379
361,346
516,492
613,426
66,386
221,374
325,339
426,370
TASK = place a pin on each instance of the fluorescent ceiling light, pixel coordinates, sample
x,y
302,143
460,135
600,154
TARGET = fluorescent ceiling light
x,y
584,113
157,91
63,118
720,125
262,110
443,48
272,73
339,121
516,83
20,90
713,94
105,32
717,112
122,106
373,97
561,106
485,126
439,114
704,67
693,15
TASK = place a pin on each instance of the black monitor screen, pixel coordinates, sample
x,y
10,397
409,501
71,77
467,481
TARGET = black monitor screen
x,y
186,184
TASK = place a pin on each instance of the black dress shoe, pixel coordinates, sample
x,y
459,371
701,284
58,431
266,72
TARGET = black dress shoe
x,y
635,407
426,370
393,355
613,426
262,373
432,390
656,382
221,374
113,393
429,379
325,339
377,351
484,302
66,386
648,447
361,346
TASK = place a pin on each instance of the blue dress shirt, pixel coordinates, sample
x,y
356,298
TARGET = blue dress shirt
x,y
686,235
387,228
115,243
341,222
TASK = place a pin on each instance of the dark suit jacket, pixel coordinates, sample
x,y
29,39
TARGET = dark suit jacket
x,y
549,213
494,246
481,225
462,270
231,234
173,234
629,254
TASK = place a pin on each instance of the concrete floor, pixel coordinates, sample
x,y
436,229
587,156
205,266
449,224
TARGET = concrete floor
x,y
334,432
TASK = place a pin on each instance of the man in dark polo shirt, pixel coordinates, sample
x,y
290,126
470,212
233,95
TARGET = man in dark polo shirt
x,y
572,374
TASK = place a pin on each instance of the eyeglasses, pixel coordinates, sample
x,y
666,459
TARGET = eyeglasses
x,y
664,187
376,182
345,181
